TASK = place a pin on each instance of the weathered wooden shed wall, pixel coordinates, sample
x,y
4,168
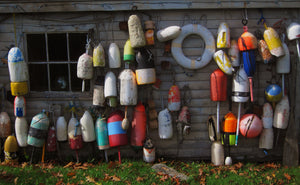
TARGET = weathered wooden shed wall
x,y
106,24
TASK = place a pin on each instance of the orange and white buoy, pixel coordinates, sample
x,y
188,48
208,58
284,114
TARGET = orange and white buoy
x,y
174,98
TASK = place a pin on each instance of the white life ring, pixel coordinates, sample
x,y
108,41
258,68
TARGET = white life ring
x,y
210,47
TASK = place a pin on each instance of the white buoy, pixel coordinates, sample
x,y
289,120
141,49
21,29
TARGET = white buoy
x,y
20,106
165,128
61,129
228,161
98,94
128,88
18,70
281,113
168,33
267,117
283,64
21,129
114,58
87,127
217,153
110,88
266,138
85,68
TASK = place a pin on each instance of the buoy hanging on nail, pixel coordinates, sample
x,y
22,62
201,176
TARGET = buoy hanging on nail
x,y
136,33
61,129
114,58
18,70
281,113
19,106
98,94
138,126
221,58
87,127
110,88
273,41
128,88
168,33
223,38
5,125
234,53
145,71
273,93
99,56
21,129
85,68
174,98
128,54
165,128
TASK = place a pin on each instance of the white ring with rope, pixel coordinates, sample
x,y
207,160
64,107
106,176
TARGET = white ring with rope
x,y
207,55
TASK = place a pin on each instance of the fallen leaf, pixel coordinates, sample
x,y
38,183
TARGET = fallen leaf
x,y
115,178
112,164
60,183
216,176
200,172
16,180
269,178
238,165
139,179
271,165
24,164
70,174
69,164
90,179
287,176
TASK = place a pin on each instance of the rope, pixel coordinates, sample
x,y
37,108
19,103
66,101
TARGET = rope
x,y
15,30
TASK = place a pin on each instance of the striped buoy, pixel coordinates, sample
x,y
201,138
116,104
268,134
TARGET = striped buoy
x,y
102,133
38,130
116,135
11,149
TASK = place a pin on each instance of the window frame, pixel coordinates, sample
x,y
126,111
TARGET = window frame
x,y
56,94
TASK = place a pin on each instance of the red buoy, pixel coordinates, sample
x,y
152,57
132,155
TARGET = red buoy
x,y
138,131
218,86
51,140
116,135
250,125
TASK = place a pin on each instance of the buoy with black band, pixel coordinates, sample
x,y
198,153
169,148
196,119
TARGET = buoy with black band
x,y
210,47
20,106
145,71
38,130
5,125
21,129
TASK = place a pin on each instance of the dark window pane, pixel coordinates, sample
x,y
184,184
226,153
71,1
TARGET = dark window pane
x,y
38,77
36,45
77,42
57,46
59,77
77,82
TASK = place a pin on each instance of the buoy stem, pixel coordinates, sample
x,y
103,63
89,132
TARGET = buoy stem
x,y
43,154
238,124
282,84
251,88
105,154
298,49
119,153
77,157
31,155
218,118
83,86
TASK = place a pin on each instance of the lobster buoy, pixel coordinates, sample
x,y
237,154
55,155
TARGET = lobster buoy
x,y
266,138
217,153
174,98
85,68
128,55
136,34
61,129
264,51
149,34
98,94
11,149
138,126
116,135
210,47
87,127
74,134
128,88
223,39
267,117
110,88
281,113
247,41
5,125
18,70
145,72
234,53
250,125
19,106
184,120
148,151
283,64
223,62
21,128
165,128
212,129
168,33
293,31
99,56
38,130
273,93
102,133
114,58
51,140
273,41
240,86
18,88
218,86
229,128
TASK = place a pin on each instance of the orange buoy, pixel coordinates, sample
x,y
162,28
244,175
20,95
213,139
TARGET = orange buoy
x,y
138,130
218,86
229,128
174,98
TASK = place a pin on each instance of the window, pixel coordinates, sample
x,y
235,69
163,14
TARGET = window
x,y
52,61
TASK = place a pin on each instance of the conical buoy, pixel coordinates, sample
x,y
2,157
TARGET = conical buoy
x,y
87,127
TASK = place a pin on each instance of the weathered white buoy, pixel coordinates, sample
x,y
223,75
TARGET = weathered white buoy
x,y
165,128
281,113
223,62
228,161
21,128
18,70
110,88
5,125
217,153
61,129
168,33
148,151
114,59
128,88
136,33
240,87
266,138
267,117
87,127
19,106
85,68
273,41
99,56
74,134
98,94
223,39
234,53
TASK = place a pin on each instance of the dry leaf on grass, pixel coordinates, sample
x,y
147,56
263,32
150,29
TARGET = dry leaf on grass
x,y
139,179
287,176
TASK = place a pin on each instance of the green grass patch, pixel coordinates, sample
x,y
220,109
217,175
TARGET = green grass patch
x,y
139,172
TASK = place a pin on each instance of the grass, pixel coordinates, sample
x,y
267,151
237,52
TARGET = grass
x,y
139,172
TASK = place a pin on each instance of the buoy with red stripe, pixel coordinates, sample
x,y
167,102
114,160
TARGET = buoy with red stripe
x,y
250,125
102,133
128,88
61,129
98,94
165,128
114,58
11,149
38,130
20,106
266,138
85,68
229,124
87,127
116,135
110,88
223,39
218,91
267,117
281,113
51,140
149,151
234,53
99,56
174,98
145,71
273,41
74,134
21,129
18,70
136,33
138,126
5,125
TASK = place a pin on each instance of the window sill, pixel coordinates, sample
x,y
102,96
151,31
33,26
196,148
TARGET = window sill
x,y
60,96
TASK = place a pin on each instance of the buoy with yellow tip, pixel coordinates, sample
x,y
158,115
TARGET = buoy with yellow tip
x,y
99,56
136,34
19,88
273,41
223,39
10,149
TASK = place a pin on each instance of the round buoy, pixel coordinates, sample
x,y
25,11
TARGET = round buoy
x,y
273,93
250,126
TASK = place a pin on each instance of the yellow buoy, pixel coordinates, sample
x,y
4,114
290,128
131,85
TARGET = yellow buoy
x,y
10,149
18,88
